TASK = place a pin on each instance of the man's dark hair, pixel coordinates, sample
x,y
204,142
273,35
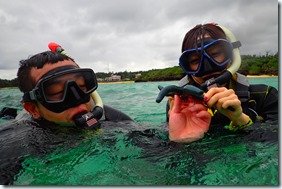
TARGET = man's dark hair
x,y
25,82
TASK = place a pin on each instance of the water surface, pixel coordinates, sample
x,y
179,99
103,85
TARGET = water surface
x,y
127,153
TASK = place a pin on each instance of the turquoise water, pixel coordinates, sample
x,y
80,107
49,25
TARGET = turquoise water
x,y
140,153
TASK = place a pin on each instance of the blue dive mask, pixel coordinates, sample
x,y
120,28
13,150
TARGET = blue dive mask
x,y
214,56
63,88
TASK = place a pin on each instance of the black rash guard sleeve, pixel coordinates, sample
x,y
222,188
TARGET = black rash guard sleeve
x,y
266,101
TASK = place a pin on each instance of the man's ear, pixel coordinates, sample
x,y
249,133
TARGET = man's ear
x,y
32,109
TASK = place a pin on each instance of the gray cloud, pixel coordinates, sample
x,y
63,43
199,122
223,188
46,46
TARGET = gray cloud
x,y
127,35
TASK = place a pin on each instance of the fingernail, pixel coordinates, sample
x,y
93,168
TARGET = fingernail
x,y
206,99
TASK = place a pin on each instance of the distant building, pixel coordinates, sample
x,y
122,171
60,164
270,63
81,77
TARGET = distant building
x,y
138,75
113,78
100,79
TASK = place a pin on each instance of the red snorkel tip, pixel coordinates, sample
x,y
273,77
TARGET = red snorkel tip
x,y
53,46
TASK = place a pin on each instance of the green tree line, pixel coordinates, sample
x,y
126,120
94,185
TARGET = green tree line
x,y
250,65
8,83
258,65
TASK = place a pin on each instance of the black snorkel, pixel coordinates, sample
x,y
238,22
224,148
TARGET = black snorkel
x,y
220,80
86,120
236,63
89,120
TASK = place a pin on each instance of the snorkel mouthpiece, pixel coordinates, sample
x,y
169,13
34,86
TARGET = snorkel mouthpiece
x,y
89,120
220,80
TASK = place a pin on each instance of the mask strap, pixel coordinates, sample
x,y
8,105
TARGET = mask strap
x,y
202,40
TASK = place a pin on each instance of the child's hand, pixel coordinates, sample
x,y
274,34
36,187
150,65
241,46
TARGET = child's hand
x,y
188,120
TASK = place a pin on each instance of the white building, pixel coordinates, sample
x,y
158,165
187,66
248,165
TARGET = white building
x,y
113,78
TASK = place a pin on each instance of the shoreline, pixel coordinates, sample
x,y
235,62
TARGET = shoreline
x,y
260,76
128,82
115,82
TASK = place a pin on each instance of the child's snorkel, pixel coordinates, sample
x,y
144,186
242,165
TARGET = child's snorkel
x,y
88,120
236,63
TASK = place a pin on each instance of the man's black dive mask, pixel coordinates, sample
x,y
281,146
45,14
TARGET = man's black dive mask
x,y
62,88
214,56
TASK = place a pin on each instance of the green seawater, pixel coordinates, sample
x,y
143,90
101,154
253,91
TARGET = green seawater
x,y
140,153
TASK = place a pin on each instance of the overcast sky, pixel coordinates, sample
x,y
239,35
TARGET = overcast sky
x,y
127,35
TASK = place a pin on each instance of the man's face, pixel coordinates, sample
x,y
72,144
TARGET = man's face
x,y
66,116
